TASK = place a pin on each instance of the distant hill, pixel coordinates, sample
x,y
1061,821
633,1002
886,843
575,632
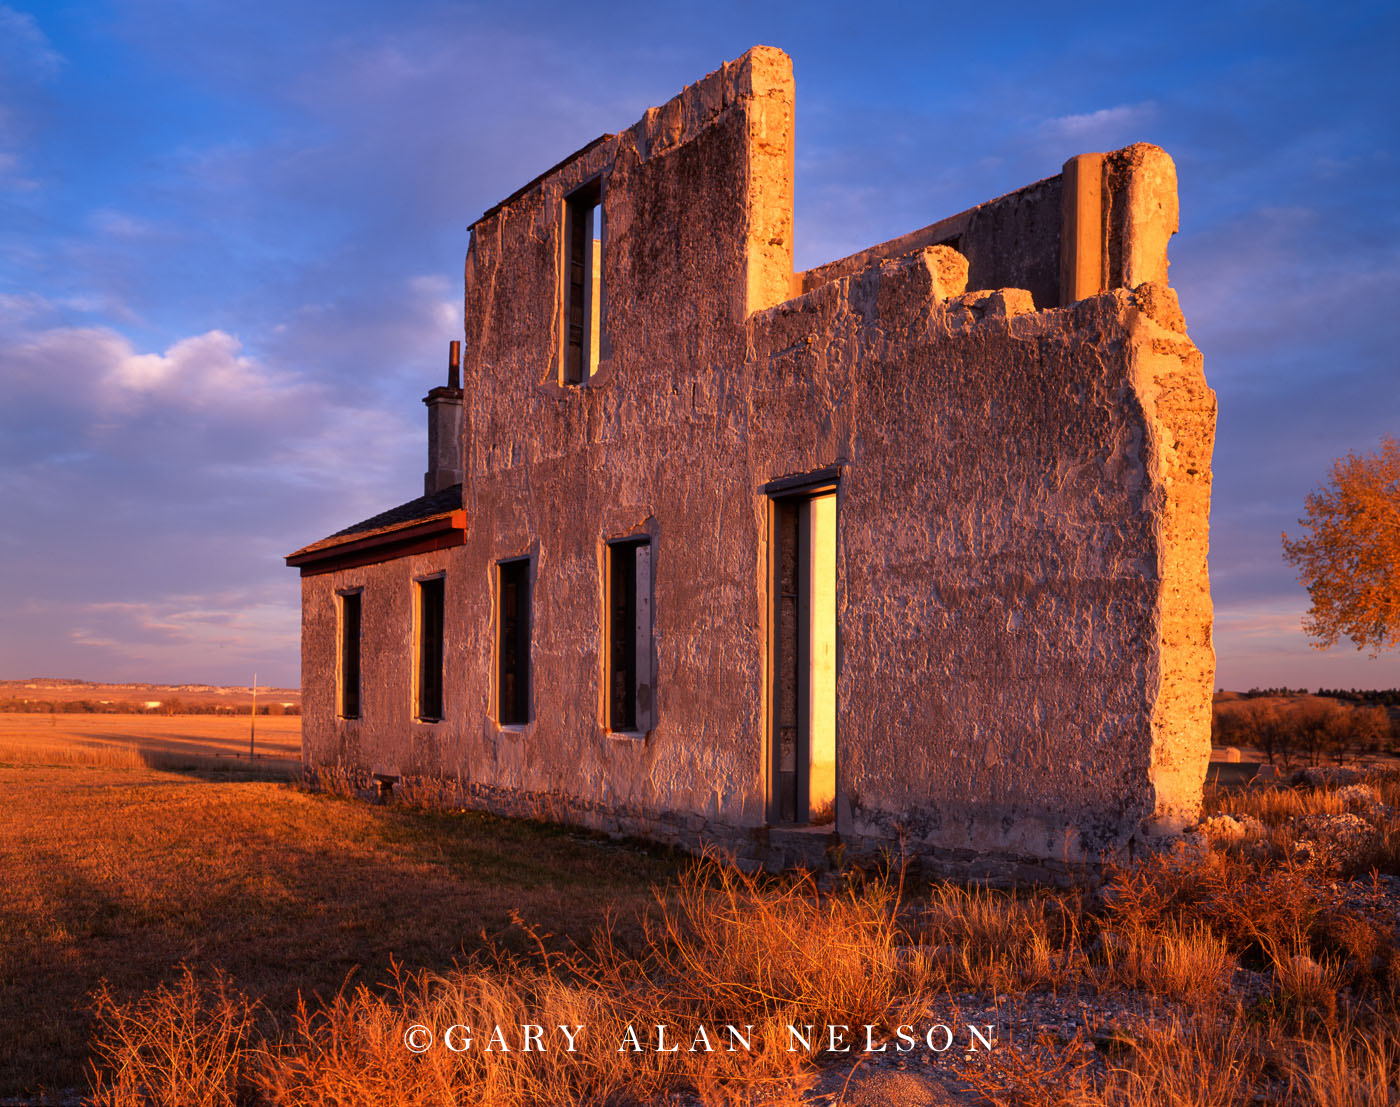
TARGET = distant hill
x,y
65,694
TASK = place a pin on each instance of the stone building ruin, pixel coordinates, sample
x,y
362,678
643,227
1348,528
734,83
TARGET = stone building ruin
x,y
907,550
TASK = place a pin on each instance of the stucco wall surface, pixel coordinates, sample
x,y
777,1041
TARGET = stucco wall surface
x,y
1023,613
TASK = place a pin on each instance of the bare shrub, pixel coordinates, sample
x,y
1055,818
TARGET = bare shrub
x,y
1044,1073
1309,729
1255,725
1245,903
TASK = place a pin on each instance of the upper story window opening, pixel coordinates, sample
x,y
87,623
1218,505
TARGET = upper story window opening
x,y
583,282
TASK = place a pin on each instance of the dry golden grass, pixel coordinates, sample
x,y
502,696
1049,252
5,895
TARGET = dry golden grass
x,y
162,741
276,894
1347,1070
1274,806
120,872
995,941
1187,1063
1184,962
1279,809
189,1043
734,946
726,948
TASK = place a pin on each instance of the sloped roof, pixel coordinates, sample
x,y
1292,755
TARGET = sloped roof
x,y
423,518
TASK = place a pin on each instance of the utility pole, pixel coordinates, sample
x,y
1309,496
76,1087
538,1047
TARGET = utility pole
x,y
253,718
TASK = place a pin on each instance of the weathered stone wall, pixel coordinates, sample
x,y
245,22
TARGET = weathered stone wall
x,y
1022,553
1023,615
386,737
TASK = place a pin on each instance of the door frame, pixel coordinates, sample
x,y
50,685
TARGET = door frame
x,y
802,488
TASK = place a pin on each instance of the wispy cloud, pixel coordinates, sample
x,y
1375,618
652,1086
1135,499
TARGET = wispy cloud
x,y
120,224
24,46
1106,125
190,634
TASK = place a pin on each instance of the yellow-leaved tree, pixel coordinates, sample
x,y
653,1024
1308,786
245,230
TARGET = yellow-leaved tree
x,y
1349,555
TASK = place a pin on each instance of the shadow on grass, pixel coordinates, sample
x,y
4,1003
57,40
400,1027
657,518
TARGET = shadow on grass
x,y
286,892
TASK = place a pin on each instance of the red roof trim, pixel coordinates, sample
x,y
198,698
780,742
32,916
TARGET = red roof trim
x,y
418,537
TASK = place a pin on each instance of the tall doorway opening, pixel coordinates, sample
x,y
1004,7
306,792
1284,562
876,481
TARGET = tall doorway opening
x,y
802,772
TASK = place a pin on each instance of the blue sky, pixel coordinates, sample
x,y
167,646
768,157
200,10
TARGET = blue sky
x,y
231,242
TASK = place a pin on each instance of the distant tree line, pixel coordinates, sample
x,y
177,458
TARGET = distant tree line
x,y
1306,731
171,706
1375,697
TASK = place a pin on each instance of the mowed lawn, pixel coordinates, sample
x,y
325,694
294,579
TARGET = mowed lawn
x,y
119,871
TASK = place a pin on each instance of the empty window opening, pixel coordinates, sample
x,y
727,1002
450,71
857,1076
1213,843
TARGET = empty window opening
x,y
430,612
629,635
803,768
583,282
350,655
513,660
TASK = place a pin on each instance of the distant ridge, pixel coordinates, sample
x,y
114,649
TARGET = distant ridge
x,y
67,689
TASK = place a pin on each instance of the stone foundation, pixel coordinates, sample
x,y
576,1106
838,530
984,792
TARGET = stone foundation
x,y
750,849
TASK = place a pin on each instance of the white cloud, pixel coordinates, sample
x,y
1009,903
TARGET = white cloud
x,y
21,306
1268,624
1106,124
204,372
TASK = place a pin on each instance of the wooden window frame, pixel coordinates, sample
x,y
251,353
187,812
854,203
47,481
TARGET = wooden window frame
x,y
583,297
629,627
514,631
430,656
344,669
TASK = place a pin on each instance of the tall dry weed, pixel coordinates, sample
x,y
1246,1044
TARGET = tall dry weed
x,y
1360,1069
725,950
193,1043
1179,961
996,941
1195,1063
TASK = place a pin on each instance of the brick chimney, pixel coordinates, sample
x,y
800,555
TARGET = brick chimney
x,y
445,428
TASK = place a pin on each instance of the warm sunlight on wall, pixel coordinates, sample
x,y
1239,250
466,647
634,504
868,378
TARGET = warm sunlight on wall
x,y
822,794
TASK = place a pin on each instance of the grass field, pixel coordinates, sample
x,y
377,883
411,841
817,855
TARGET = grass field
x,y
1258,963
159,741
115,870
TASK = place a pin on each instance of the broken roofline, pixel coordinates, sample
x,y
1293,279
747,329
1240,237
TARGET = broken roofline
x,y
1103,222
